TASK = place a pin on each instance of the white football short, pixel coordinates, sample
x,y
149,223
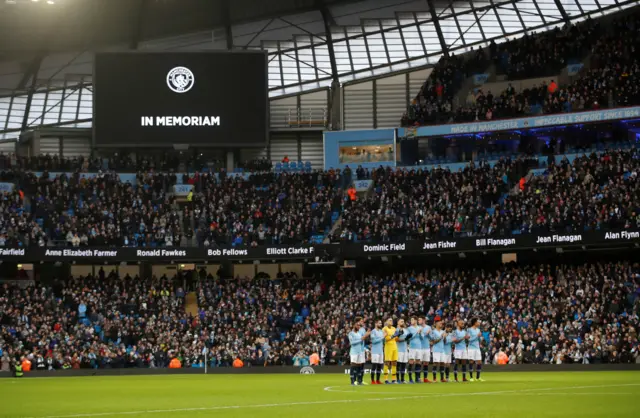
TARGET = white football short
x,y
357,358
415,354
460,354
446,358
377,359
426,355
403,357
438,357
473,354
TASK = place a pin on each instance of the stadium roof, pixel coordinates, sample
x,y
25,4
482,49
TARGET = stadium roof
x,y
47,49
67,25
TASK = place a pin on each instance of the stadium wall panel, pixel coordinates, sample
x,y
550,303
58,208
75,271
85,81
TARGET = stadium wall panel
x,y
417,79
391,100
49,145
315,370
358,106
279,111
312,149
281,144
76,147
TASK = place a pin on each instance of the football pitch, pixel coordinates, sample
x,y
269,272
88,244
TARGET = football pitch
x,y
508,394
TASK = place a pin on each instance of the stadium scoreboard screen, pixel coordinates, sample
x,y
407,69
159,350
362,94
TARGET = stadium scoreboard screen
x,y
162,99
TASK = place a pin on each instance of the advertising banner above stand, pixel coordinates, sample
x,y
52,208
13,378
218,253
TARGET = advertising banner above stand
x,y
350,250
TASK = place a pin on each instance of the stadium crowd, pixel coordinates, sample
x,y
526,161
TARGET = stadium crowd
x,y
409,204
593,192
285,208
77,210
546,53
610,81
266,208
537,314
434,103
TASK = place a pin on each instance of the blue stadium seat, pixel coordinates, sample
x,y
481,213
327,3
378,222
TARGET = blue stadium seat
x,y
278,167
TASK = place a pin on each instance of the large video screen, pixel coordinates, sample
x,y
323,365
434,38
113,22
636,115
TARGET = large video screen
x,y
161,99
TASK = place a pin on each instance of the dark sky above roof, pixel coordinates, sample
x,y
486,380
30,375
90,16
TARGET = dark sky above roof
x,y
28,27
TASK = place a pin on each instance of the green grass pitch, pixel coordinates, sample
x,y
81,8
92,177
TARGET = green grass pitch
x,y
540,395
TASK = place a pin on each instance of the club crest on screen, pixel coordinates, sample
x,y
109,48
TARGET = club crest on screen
x,y
180,79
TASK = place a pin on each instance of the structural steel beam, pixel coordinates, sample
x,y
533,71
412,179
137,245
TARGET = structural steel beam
x,y
436,23
226,18
563,12
326,17
31,71
34,69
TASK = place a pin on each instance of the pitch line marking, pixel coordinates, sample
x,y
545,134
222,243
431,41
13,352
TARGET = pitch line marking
x,y
357,391
342,401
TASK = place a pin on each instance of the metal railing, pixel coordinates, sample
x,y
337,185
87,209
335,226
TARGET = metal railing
x,y
307,118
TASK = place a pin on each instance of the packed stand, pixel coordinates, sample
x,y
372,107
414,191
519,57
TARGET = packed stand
x,y
15,220
256,165
594,192
266,208
47,162
540,314
434,103
481,106
546,53
74,210
611,81
94,322
412,204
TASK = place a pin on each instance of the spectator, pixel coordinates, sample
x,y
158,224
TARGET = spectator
x,y
175,363
534,314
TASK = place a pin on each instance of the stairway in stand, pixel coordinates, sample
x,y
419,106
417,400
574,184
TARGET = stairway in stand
x,y
191,304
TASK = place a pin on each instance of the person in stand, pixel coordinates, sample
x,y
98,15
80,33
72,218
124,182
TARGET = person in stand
x,y
17,369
